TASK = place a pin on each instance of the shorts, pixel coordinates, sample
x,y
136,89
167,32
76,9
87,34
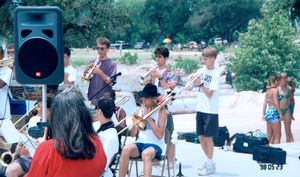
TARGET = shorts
x,y
207,124
142,146
272,115
169,126
24,162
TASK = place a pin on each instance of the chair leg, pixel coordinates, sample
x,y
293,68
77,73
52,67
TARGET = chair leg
x,y
163,167
168,164
136,168
129,171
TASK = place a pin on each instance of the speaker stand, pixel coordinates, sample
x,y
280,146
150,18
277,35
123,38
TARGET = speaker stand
x,y
44,103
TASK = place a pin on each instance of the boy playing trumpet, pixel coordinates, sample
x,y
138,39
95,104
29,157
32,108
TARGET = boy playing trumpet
x,y
207,119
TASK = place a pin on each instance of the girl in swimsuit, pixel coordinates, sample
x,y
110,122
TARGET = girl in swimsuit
x,y
271,111
290,83
285,95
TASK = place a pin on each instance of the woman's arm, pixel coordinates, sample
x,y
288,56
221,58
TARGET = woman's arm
x,y
264,107
276,103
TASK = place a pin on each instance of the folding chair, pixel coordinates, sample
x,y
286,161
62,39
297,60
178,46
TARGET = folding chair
x,y
164,158
116,159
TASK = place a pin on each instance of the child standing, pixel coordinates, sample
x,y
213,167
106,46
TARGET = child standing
x,y
207,119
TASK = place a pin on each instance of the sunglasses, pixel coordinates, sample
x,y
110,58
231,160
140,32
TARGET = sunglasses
x,y
100,48
10,52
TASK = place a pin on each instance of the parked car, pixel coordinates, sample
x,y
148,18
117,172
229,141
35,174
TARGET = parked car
x,y
193,45
297,42
218,41
118,44
140,45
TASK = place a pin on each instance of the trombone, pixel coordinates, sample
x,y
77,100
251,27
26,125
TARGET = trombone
x,y
89,74
20,130
120,102
141,121
6,62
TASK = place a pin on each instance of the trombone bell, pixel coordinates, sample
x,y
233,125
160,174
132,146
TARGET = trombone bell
x,y
139,122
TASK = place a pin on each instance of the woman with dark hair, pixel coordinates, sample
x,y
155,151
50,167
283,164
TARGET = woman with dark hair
x,y
75,149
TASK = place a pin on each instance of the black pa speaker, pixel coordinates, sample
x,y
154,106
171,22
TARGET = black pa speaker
x,y
38,45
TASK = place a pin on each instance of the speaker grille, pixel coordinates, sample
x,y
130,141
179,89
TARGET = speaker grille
x,y
37,58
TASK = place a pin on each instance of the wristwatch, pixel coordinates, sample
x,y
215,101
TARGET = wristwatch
x,y
160,78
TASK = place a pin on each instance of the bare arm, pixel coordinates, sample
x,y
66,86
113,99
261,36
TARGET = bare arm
x,y
159,130
276,103
292,103
133,131
102,74
2,84
207,92
264,106
66,80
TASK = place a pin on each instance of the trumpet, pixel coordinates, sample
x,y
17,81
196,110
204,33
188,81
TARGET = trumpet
x,y
6,62
89,74
191,81
147,75
141,122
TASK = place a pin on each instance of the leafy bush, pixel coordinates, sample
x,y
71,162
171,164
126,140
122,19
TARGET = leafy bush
x,y
128,58
188,65
219,48
266,48
79,62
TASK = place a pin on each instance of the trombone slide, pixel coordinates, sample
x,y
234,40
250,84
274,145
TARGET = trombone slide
x,y
25,115
120,102
165,101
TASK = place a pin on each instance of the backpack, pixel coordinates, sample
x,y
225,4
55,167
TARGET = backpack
x,y
223,135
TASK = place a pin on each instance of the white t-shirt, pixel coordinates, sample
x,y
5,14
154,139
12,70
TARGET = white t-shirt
x,y
148,135
72,73
5,75
210,78
33,121
110,141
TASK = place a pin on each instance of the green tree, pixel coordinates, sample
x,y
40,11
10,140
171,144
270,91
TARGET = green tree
x,y
83,20
223,18
266,49
170,16
138,28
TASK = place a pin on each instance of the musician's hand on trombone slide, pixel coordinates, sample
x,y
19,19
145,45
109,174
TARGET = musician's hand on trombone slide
x,y
22,150
44,138
139,122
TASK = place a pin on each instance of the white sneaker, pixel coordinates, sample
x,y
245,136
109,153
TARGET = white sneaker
x,y
206,165
206,171
203,166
